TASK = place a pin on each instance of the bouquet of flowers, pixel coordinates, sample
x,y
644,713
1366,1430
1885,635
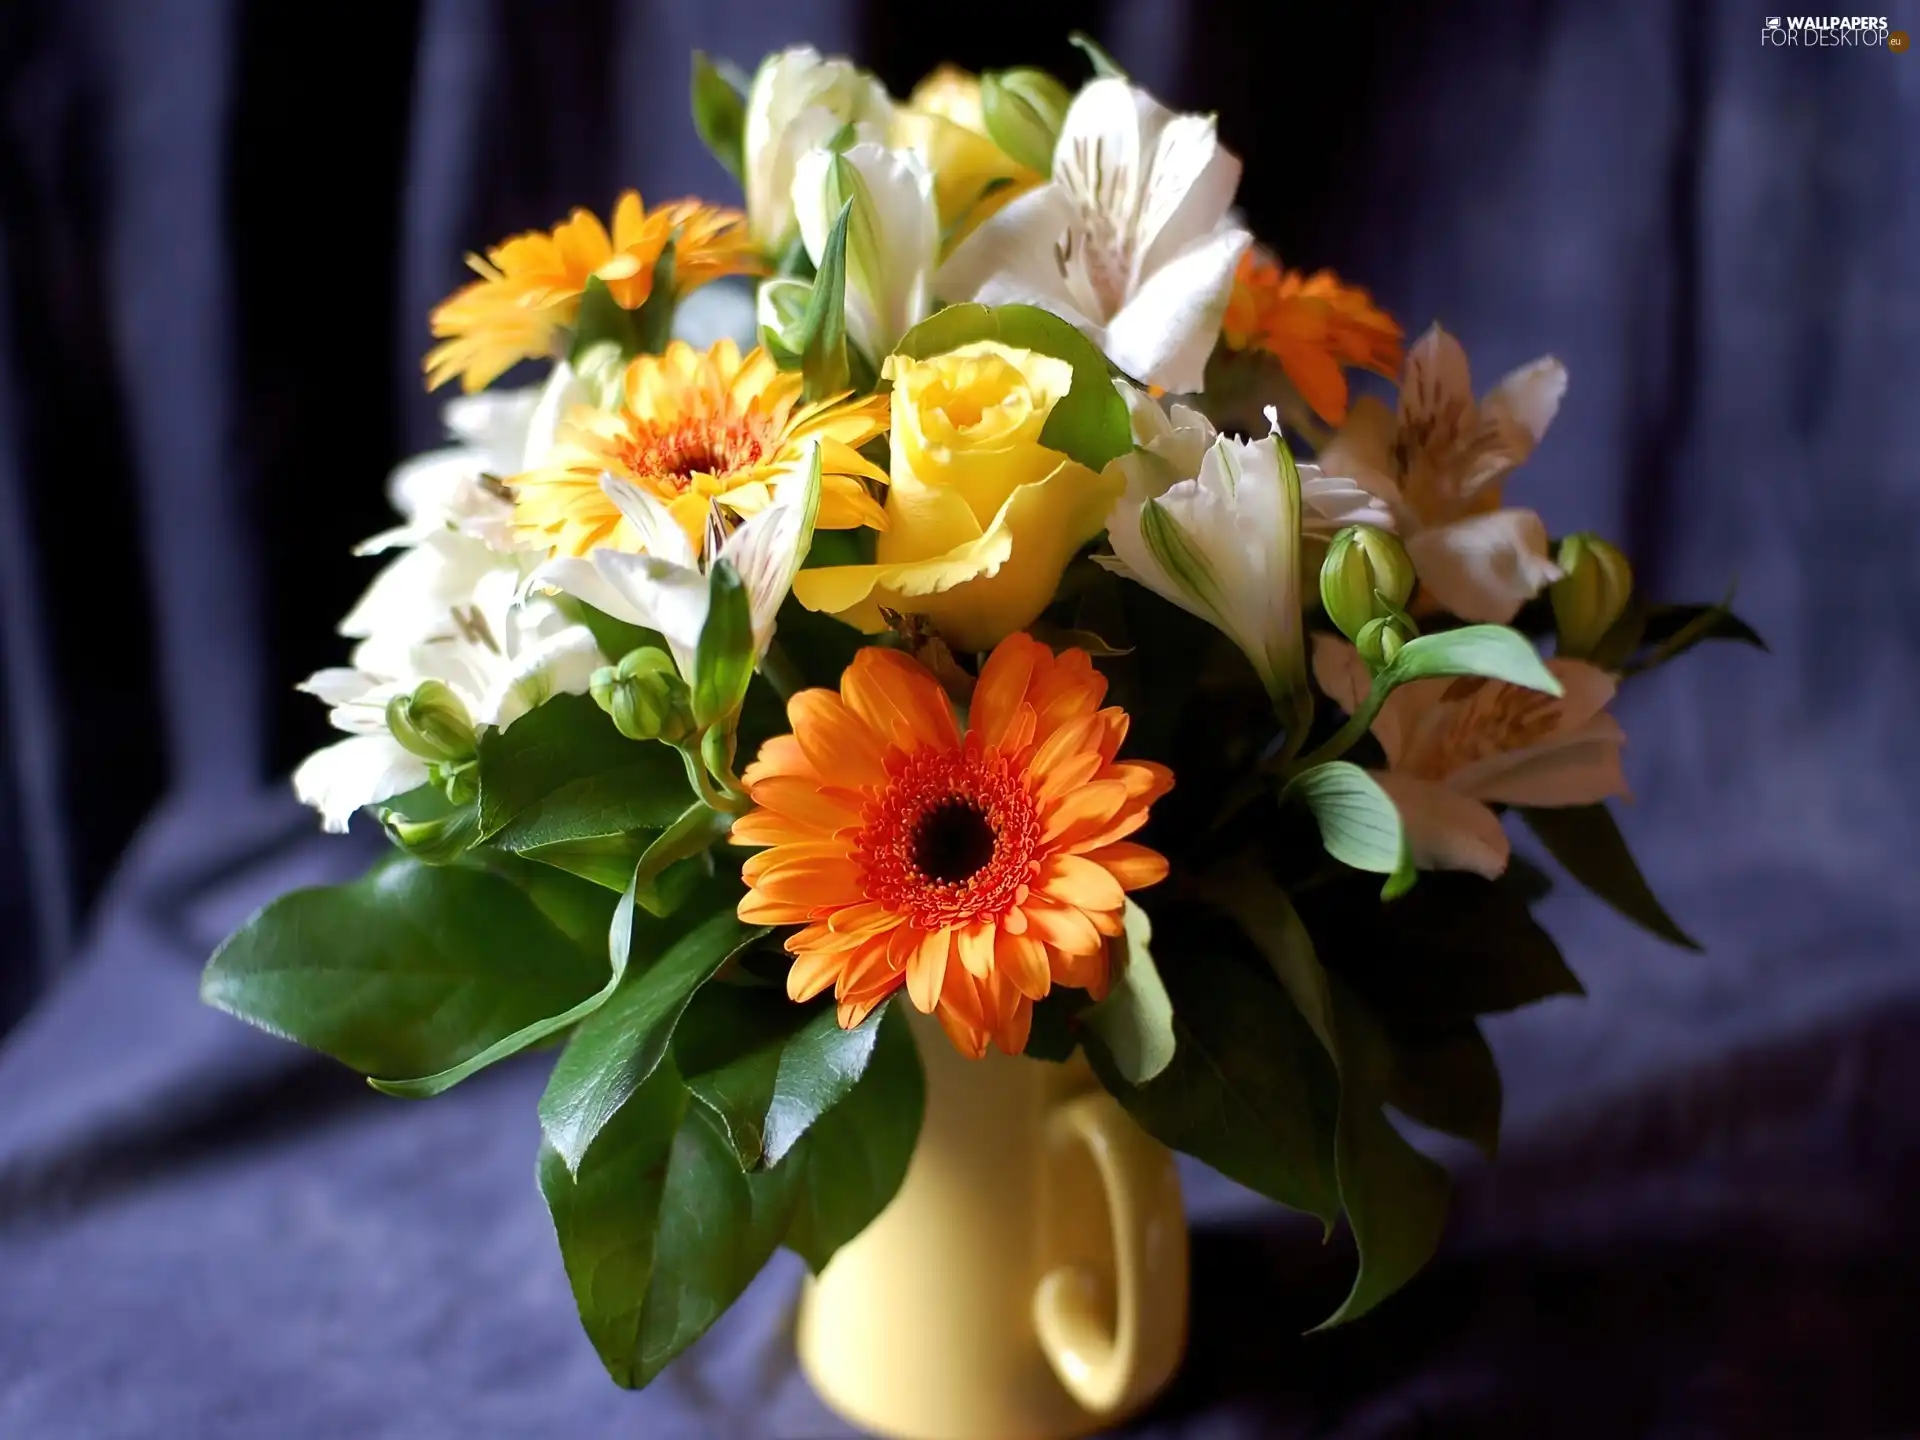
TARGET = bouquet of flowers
x,y
975,640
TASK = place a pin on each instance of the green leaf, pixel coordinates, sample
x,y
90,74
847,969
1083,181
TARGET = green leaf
x,y
1359,823
1672,630
613,637
691,837
1104,67
723,659
415,969
1249,1090
563,773
602,320
728,1046
1394,1197
617,1048
818,1068
660,1229
1586,840
1490,650
1450,1083
583,924
606,860
1090,423
719,115
822,340
856,1154
1135,1020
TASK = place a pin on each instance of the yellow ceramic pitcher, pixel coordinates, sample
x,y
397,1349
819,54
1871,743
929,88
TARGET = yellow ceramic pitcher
x,y
1029,1281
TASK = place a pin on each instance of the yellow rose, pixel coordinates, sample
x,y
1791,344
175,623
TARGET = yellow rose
x,y
942,123
981,517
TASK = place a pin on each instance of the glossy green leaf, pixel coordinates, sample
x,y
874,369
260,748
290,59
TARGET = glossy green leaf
x,y
1090,422
719,115
562,773
818,1068
1249,1090
659,1227
1135,1020
1493,651
1359,823
606,860
728,1046
691,837
822,340
613,637
1587,841
723,660
616,1049
416,969
1449,1082
1395,1198
856,1154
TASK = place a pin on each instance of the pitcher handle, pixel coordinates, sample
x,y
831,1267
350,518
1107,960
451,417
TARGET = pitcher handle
x,y
1113,1369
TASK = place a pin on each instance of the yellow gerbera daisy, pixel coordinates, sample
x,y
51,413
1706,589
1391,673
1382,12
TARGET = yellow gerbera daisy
x,y
530,285
694,428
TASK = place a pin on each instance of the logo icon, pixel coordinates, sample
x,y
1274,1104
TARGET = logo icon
x,y
1897,41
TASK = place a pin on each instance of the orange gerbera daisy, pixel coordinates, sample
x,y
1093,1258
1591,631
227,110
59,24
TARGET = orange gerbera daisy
x,y
977,870
1313,325
694,428
530,284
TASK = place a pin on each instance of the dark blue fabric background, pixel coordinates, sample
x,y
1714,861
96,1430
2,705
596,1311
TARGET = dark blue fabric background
x,y
221,225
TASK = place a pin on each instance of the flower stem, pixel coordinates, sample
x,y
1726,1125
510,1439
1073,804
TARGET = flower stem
x,y
781,673
729,800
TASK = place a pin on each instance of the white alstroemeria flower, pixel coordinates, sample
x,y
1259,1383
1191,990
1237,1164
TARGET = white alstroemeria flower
x,y
1132,242
666,588
1174,440
1440,463
893,235
1222,542
447,607
1455,747
799,101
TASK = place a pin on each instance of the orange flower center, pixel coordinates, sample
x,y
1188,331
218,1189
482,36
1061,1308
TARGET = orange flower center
x,y
673,454
951,838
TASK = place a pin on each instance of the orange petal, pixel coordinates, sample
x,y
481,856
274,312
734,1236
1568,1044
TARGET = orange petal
x,y
810,974
969,1040
1080,883
780,755
837,741
1062,927
812,848
758,909
813,883
806,802
1015,1026
822,936
927,969
1110,923
899,688
1003,687
868,918
1134,866
763,827
975,943
1090,972
1022,959
1083,811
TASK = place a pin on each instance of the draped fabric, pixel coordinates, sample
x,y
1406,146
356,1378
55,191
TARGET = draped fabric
x,y
221,225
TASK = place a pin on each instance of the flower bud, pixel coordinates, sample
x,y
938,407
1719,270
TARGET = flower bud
x,y
780,311
1592,592
1365,576
645,696
432,722
1378,641
435,841
1024,110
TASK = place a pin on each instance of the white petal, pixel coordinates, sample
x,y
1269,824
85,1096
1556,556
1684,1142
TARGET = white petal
x,y
1485,567
890,289
413,597
1530,396
1013,250
768,548
1105,149
669,598
1330,503
1446,830
561,664
1189,192
584,581
660,534
1167,329
563,391
338,686
494,422
362,771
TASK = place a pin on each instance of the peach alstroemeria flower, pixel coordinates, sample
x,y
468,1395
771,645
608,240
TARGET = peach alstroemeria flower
x,y
1441,463
1456,747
